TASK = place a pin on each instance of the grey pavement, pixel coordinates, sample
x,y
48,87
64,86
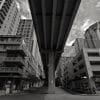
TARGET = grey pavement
x,y
60,94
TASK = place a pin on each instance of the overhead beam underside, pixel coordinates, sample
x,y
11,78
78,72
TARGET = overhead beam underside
x,y
52,20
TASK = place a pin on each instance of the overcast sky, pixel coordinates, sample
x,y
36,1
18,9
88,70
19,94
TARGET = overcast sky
x,y
88,13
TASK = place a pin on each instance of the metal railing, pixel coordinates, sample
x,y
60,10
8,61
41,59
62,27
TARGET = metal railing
x,y
19,59
11,69
10,42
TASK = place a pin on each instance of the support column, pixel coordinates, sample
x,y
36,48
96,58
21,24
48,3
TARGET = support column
x,y
46,76
51,74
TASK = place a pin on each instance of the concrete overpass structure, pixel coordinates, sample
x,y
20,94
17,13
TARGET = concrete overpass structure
x,y
52,20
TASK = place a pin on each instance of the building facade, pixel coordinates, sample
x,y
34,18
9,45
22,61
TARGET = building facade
x,y
26,30
85,65
10,17
92,36
13,69
17,66
67,55
37,56
79,44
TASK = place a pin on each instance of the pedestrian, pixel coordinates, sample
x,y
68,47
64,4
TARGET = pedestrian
x,y
7,89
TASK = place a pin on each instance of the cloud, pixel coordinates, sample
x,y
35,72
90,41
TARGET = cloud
x,y
85,25
98,4
23,17
25,6
18,5
70,43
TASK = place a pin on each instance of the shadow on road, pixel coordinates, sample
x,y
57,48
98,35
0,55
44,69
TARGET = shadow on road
x,y
42,90
32,94
73,92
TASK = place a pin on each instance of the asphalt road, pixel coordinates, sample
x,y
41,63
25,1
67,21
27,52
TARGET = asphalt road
x,y
59,95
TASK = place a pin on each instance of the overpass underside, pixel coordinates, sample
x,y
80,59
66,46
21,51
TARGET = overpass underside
x,y
52,20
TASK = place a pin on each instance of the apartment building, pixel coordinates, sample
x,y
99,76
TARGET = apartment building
x,y
12,61
85,65
79,44
92,36
10,17
67,55
26,30
36,54
17,65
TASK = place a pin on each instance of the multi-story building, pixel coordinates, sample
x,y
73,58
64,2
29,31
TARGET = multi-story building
x,y
37,56
92,36
85,72
9,17
85,65
67,55
92,62
12,61
17,62
26,30
79,44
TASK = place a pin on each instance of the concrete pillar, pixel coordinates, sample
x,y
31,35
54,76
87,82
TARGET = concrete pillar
x,y
51,74
46,76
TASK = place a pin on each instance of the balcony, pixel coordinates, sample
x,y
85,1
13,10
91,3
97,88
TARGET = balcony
x,y
95,68
94,58
17,60
10,42
2,49
11,70
21,49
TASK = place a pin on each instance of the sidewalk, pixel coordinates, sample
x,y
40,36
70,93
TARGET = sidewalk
x,y
2,92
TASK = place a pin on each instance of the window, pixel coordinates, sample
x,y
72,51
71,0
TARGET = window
x,y
93,54
2,15
95,62
2,54
2,39
96,73
74,63
1,21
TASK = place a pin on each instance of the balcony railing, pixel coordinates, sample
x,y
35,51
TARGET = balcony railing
x,y
15,59
14,47
22,48
94,58
10,42
95,68
11,69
